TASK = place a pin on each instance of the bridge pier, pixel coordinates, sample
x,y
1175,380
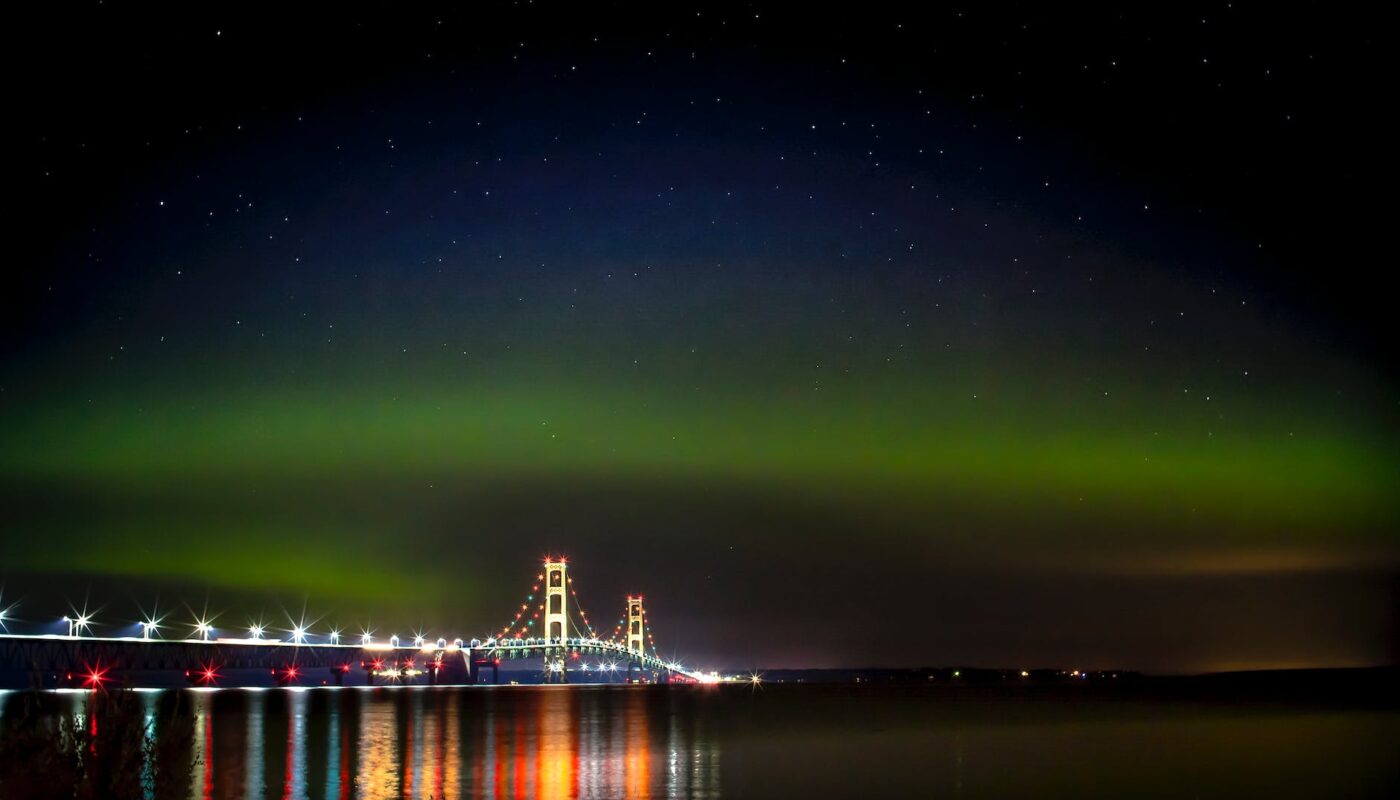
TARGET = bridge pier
x,y
556,669
476,665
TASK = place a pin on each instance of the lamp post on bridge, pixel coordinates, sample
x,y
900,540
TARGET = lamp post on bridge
x,y
77,624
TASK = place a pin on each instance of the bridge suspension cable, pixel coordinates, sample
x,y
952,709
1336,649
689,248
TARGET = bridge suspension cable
x,y
583,615
521,624
651,640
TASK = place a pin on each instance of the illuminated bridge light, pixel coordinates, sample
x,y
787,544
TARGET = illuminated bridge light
x,y
95,677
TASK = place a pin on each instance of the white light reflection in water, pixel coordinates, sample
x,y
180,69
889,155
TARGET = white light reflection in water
x,y
202,749
333,747
148,744
675,773
486,759
253,785
592,745
294,787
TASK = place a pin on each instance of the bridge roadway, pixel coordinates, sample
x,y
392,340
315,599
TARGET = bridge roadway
x,y
56,660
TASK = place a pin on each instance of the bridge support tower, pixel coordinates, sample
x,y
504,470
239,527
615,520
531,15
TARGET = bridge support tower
x,y
556,600
636,622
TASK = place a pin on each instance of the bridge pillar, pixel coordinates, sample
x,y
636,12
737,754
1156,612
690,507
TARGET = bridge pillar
x,y
488,661
636,634
556,669
556,604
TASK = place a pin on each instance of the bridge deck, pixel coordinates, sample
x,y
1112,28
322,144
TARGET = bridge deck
x,y
66,655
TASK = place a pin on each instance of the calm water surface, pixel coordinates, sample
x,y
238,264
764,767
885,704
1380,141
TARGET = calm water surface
x,y
703,742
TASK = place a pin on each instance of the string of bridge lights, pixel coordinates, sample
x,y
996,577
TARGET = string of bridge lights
x,y
81,623
524,608
581,612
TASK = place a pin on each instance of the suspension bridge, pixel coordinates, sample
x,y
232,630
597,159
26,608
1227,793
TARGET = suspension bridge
x,y
550,626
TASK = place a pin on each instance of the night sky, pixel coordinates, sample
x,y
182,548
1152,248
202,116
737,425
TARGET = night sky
x,y
989,335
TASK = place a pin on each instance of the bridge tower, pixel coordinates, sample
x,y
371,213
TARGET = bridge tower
x,y
635,624
556,603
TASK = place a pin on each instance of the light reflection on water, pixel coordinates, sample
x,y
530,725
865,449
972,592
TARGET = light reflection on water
x,y
546,743
659,742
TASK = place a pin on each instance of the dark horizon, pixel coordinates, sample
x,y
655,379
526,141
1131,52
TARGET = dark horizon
x,y
995,335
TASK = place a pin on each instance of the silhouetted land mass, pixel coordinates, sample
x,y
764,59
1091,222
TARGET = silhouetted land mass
x,y
1374,687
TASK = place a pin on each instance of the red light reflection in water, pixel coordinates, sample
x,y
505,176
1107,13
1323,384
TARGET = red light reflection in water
x,y
346,776
206,732
291,758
